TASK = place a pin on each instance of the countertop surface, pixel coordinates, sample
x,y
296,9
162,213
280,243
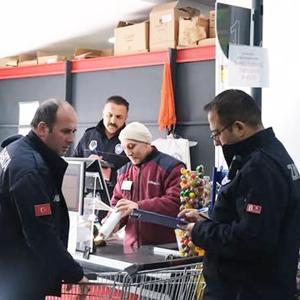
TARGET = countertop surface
x,y
114,257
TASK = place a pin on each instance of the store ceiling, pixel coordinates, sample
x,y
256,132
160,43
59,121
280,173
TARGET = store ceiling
x,y
60,26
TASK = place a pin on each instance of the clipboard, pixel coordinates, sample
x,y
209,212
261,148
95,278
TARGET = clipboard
x,y
159,219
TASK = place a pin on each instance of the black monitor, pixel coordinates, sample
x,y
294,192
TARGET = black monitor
x,y
93,178
73,185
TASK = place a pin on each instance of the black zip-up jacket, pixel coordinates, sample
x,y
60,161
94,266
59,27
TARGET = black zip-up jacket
x,y
95,141
34,222
252,241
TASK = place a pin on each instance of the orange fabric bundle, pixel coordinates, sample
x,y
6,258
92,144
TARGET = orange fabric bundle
x,y
167,114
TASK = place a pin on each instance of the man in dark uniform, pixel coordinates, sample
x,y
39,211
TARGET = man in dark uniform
x,y
34,222
252,240
102,141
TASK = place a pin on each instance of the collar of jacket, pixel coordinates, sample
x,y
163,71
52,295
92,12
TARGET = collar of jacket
x,y
100,128
247,146
153,153
55,163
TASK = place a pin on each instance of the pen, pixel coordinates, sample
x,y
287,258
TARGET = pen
x,y
202,210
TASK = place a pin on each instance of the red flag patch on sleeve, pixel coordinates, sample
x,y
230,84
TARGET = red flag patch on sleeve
x,y
42,210
254,209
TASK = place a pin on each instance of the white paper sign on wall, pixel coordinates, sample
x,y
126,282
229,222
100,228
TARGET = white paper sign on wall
x,y
248,66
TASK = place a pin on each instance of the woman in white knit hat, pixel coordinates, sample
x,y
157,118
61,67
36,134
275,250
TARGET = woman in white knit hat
x,y
150,181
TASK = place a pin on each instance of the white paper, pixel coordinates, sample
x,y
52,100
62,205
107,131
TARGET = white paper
x,y
97,203
24,130
248,66
27,111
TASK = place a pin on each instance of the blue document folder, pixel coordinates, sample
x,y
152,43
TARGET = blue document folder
x,y
159,219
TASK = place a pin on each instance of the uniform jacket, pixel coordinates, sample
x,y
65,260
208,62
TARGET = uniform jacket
x,y
155,187
252,241
34,222
95,141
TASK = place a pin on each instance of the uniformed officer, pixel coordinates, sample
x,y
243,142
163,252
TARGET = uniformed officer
x,y
252,240
102,141
34,222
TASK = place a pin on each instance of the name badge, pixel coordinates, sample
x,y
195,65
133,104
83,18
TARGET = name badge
x,y
126,185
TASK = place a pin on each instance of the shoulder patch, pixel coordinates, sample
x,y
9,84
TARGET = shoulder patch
x,y
4,158
93,145
118,149
254,209
41,210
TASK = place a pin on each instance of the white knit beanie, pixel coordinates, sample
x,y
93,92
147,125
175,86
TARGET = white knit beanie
x,y
136,131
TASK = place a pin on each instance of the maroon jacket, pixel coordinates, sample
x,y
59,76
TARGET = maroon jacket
x,y
155,187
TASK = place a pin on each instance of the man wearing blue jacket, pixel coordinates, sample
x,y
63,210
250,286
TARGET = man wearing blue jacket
x,y
252,240
34,222
102,141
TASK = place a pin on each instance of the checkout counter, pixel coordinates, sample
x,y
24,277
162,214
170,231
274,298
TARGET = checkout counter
x,y
114,257
84,174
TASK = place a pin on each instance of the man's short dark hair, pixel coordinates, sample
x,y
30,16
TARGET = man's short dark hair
x,y
47,112
118,100
235,105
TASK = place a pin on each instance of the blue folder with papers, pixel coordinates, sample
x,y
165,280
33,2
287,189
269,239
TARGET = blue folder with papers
x,y
159,219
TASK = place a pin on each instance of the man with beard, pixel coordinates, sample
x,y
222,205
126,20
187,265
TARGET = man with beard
x,y
102,142
251,242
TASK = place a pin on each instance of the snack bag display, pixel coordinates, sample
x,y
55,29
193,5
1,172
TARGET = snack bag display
x,y
195,193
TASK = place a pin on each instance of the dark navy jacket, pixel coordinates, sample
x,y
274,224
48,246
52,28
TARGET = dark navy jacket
x,y
95,141
34,221
253,241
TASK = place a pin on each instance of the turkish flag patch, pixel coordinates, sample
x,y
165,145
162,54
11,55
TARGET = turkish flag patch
x,y
254,209
42,210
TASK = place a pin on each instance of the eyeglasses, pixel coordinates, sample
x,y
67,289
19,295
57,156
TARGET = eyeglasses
x,y
215,133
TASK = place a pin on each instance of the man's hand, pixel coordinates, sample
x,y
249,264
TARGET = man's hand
x,y
192,216
126,207
70,285
83,280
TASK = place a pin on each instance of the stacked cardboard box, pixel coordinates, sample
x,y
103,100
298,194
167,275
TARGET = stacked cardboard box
x,y
212,24
11,61
164,25
192,30
27,59
83,53
48,58
131,38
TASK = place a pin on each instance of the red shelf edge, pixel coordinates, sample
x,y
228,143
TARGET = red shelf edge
x,y
32,71
120,62
196,54
110,62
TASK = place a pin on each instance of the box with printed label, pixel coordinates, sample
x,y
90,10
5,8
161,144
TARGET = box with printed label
x,y
164,23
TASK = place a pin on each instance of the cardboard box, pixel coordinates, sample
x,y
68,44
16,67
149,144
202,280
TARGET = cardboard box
x,y
107,52
47,58
212,20
164,23
192,30
131,38
212,32
27,59
207,42
83,53
11,61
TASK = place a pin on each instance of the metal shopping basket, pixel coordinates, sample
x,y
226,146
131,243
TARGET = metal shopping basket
x,y
178,280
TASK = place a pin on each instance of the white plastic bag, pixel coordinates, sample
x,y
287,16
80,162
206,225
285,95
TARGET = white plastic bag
x,y
176,147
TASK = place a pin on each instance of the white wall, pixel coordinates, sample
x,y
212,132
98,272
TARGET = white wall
x,y
281,101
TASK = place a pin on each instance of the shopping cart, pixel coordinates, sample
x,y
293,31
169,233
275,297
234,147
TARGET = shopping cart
x,y
172,280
